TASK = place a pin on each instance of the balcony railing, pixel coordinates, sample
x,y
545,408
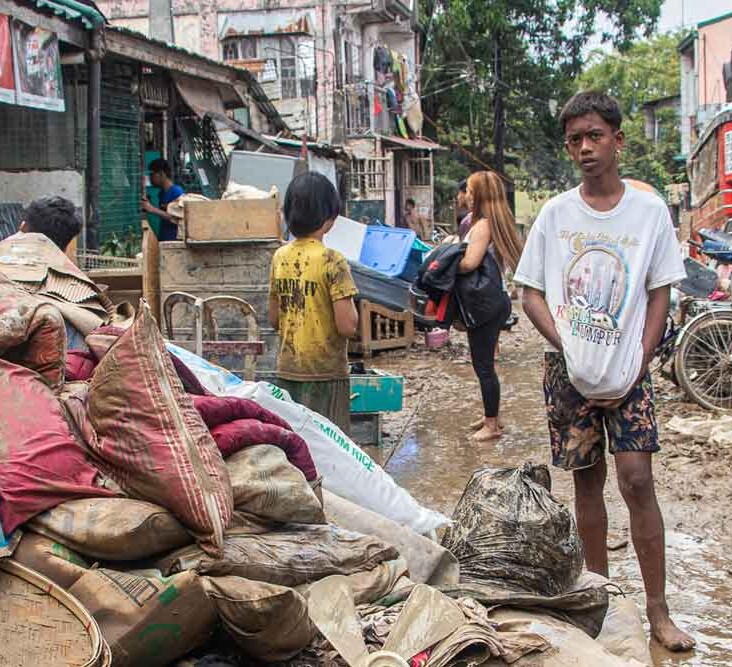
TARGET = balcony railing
x,y
365,110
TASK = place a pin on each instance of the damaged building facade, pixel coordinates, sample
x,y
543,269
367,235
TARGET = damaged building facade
x,y
343,73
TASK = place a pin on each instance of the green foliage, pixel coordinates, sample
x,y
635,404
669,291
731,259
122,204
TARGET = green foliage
x,y
521,56
127,246
648,70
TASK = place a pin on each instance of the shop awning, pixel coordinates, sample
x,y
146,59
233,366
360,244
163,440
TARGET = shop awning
x,y
206,97
283,22
414,144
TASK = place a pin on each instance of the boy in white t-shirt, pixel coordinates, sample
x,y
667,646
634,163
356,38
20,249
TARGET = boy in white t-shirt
x,y
597,269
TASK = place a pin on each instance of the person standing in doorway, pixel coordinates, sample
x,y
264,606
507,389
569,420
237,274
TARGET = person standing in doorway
x,y
597,270
492,230
161,177
311,303
414,221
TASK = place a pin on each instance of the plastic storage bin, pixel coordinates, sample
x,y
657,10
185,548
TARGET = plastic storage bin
x,y
386,249
376,391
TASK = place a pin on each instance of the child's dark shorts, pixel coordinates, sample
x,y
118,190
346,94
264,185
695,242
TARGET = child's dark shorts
x,y
577,428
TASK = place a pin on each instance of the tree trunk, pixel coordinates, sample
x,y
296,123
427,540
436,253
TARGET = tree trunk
x,y
499,110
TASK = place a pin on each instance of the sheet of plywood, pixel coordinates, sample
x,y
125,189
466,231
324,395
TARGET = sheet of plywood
x,y
232,220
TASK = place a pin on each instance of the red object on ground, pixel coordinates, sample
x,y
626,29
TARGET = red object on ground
x,y
217,410
79,366
41,463
236,435
151,439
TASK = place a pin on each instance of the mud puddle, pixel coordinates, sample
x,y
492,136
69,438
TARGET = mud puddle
x,y
427,450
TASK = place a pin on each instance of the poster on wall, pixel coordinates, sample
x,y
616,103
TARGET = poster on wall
x,y
38,81
7,78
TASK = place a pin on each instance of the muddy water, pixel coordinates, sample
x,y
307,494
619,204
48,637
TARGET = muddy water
x,y
426,450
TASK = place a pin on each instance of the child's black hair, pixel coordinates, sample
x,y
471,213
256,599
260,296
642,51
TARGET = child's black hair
x,y
310,201
411,202
55,217
589,101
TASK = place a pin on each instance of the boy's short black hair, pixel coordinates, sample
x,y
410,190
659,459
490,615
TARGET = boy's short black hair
x,y
587,101
310,201
160,166
463,185
411,202
55,217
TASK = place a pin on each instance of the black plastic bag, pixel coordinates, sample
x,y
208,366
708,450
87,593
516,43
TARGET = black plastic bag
x,y
511,532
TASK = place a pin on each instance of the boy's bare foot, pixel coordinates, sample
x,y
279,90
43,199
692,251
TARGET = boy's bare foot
x,y
666,632
486,434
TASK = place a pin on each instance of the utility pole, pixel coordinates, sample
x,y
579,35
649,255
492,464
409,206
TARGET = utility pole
x,y
499,110
161,20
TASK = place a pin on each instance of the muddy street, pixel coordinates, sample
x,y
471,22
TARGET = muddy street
x,y
426,449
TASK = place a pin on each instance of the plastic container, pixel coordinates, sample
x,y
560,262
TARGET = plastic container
x,y
376,391
416,257
437,338
386,249
347,237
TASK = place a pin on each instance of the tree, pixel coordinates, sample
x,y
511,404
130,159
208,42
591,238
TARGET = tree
x,y
496,72
648,70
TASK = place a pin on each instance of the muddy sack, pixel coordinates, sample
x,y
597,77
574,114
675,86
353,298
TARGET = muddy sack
x,y
510,531
346,469
116,529
266,621
32,334
288,556
41,462
147,620
151,440
51,559
266,485
428,562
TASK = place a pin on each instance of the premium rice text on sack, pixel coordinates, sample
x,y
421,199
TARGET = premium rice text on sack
x,y
288,556
150,437
51,559
267,485
266,621
148,621
115,529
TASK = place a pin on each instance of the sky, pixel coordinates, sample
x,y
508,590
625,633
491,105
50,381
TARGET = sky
x,y
692,12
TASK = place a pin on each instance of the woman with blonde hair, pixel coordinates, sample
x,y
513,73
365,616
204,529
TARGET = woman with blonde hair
x,y
492,230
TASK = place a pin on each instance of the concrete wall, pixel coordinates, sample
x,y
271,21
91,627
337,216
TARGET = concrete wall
x,y
25,186
714,47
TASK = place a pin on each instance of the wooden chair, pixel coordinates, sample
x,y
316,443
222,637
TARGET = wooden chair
x,y
237,356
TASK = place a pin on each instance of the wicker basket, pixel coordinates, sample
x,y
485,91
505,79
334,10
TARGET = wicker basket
x,y
41,624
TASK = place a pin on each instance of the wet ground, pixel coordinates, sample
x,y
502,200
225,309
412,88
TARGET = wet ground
x,y
426,449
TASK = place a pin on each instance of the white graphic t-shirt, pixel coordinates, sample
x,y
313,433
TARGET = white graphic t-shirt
x,y
596,269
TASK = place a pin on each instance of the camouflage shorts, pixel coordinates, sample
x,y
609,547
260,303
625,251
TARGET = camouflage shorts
x,y
577,428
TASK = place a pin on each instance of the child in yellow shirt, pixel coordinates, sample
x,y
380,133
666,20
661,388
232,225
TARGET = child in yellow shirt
x,y
311,303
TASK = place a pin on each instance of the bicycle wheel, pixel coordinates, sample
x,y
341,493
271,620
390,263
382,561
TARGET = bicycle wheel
x,y
703,360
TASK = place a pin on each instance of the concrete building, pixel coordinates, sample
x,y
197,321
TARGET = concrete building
x,y
345,73
706,56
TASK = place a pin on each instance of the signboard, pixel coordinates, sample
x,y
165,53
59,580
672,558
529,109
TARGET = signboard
x,y
38,81
7,78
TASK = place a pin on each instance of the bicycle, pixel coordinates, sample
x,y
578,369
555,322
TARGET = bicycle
x,y
696,353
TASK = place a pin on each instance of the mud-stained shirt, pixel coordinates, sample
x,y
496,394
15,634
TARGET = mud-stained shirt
x,y
307,278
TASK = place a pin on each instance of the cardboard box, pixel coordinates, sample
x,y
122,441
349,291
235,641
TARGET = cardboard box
x,y
231,220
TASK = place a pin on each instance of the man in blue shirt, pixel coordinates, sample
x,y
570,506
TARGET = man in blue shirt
x,y
160,177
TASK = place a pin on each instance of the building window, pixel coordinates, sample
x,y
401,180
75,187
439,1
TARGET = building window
x,y
288,69
240,48
367,178
230,50
419,172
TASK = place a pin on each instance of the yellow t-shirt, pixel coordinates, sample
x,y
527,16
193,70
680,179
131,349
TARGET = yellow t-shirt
x,y
306,278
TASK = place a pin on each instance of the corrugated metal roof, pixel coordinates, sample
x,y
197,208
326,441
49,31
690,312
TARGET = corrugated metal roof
x,y
254,88
66,12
